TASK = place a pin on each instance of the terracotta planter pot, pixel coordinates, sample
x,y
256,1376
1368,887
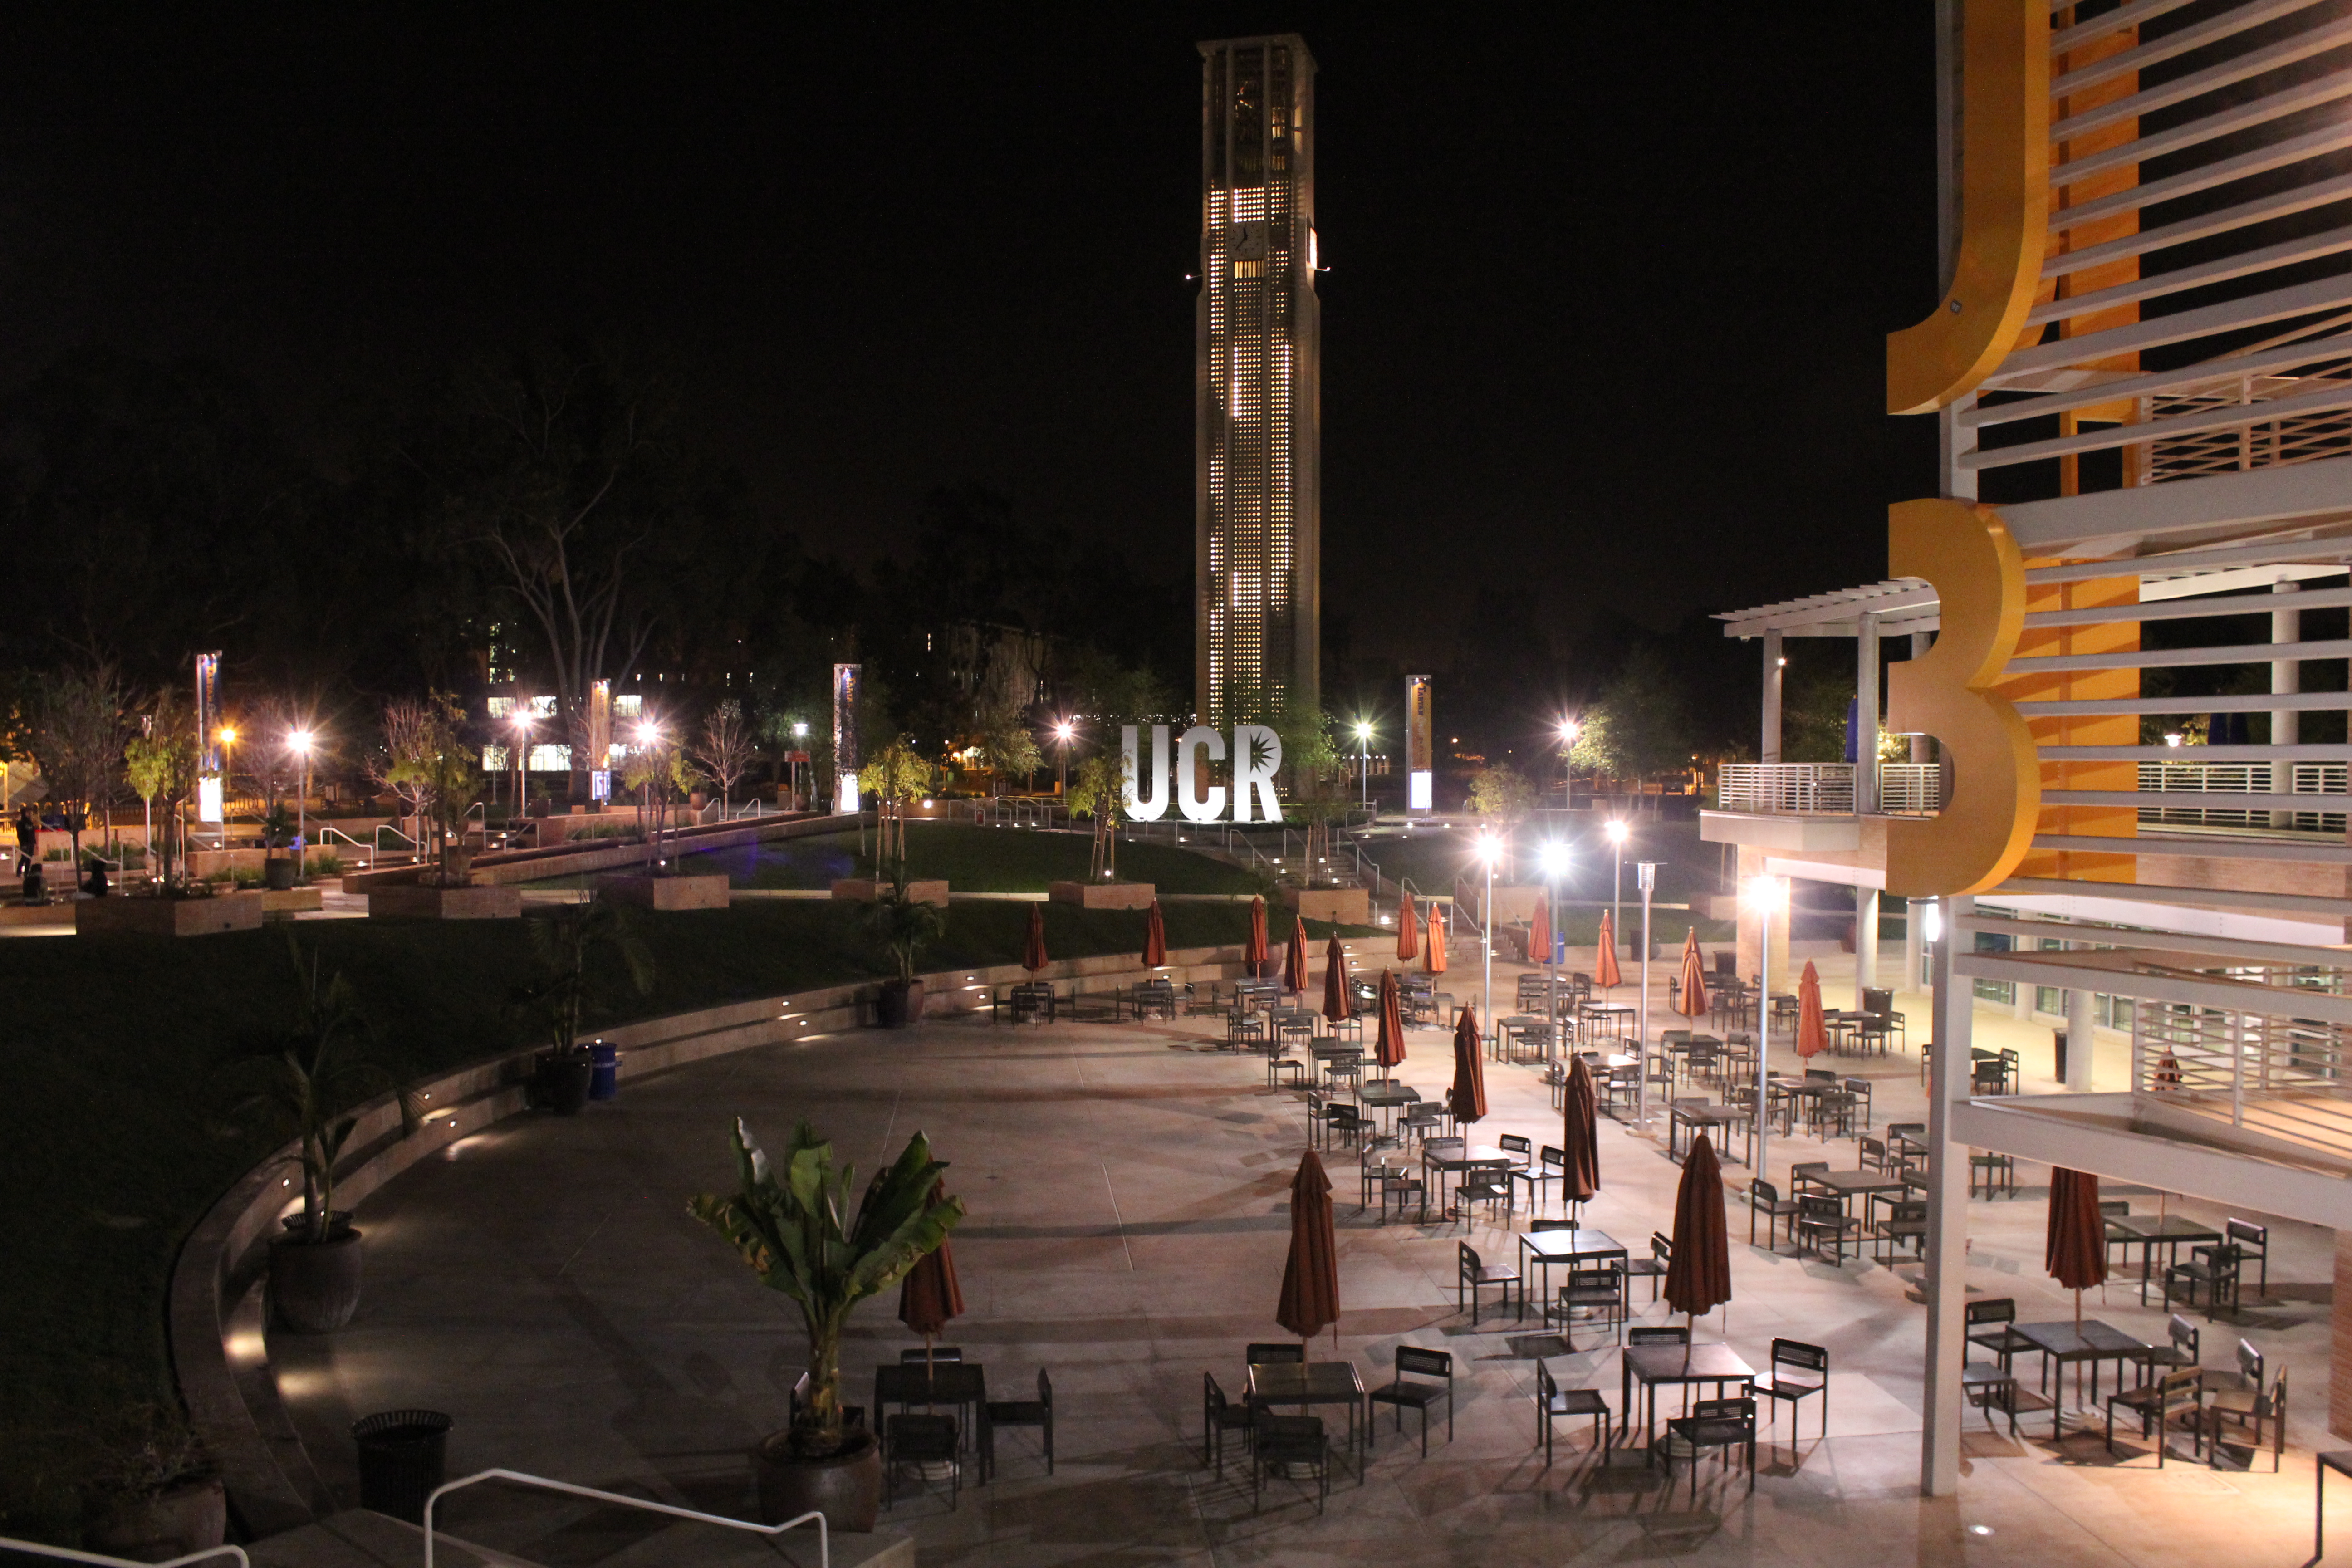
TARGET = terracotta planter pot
x,y
846,1488
277,874
191,1516
314,1287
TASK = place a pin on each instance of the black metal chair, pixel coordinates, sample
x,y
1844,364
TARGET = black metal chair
x,y
2181,1350
1906,1220
919,1440
1488,1184
1414,1366
1475,1274
1284,1353
1990,1322
1994,1169
1652,1267
1219,1415
1552,1402
1287,1440
2212,1270
1725,1424
2259,1417
1824,1219
1659,1335
1812,1366
1601,1288
2253,1244
1552,1165
1765,1199
1037,1413
2171,1400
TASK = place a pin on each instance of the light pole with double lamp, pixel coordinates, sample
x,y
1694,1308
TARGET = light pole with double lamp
x,y
1618,829
1645,878
1765,895
1490,849
1555,865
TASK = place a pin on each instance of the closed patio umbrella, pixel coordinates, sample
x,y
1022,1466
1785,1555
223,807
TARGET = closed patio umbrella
x,y
1294,957
2075,1247
1032,946
1539,934
1469,1096
1338,1002
1580,1135
1605,972
1812,1031
1253,955
1408,929
1690,1000
930,1298
1698,1271
1389,1050
1155,938
1310,1277
1433,947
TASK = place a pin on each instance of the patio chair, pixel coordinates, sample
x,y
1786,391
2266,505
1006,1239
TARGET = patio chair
x,y
1833,1115
1422,1118
1521,1150
1725,1424
1811,1365
1990,1321
1603,1289
1860,1089
1219,1415
2172,1400
1037,1413
919,1441
1279,1065
1553,1402
2212,1270
1824,1219
1993,1170
1475,1274
1405,1185
917,1355
1488,1184
1287,1440
2180,1350
1765,1199
1905,1221
2253,1244
1346,1121
1800,1174
1874,1156
2256,1415
1652,1267
1411,1386
1552,1165
1288,1352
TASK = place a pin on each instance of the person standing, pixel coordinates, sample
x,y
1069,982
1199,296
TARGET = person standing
x,y
28,839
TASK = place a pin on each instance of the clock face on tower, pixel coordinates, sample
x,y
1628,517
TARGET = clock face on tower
x,y
1249,241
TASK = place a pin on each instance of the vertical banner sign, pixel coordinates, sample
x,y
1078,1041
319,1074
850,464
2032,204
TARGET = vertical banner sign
x,y
1420,748
211,756
847,679
600,740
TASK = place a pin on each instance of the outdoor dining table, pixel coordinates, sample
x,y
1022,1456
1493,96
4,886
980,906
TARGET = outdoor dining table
x,y
2060,1342
2171,1233
1145,997
1798,1088
1653,1365
962,1383
1572,1247
1709,1117
1440,1155
1313,1382
1388,1097
1594,1015
1859,1183
1251,993
1031,997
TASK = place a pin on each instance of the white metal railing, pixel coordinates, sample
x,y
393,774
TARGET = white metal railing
x,y
2261,443
1793,787
1910,789
2245,778
2288,1077
69,1554
824,1535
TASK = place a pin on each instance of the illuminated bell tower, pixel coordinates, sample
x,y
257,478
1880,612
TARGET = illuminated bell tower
x,y
1258,517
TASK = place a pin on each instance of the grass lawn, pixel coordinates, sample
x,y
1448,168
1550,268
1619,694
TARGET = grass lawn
x,y
109,1058
972,860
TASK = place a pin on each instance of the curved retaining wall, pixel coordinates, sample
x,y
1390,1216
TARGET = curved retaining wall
x,y
219,1336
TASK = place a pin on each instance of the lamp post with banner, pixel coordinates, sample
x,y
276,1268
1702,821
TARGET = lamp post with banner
x,y
1555,865
1489,849
300,742
1645,878
1764,896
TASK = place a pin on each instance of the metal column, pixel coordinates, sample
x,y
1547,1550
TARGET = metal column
x,y
2286,675
1947,1217
1865,942
2082,1013
1865,717
1914,912
1775,667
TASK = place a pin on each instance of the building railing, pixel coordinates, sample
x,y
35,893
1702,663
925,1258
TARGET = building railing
x,y
1791,788
824,1535
2284,1077
1910,789
69,1554
2246,778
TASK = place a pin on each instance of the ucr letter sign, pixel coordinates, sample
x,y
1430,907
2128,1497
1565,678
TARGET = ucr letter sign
x,y
1257,757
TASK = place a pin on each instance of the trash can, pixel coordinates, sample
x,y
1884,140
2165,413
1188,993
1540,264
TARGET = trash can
x,y
2058,1039
604,1070
1874,1000
402,1454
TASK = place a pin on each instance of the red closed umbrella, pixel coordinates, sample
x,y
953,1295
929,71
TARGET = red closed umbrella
x,y
1539,934
1433,951
1580,1135
2075,1247
1033,947
1408,929
1389,1050
1698,1274
1338,1000
1691,1000
1155,938
1469,1096
1812,1029
1254,954
1605,972
930,1298
1294,957
1310,1276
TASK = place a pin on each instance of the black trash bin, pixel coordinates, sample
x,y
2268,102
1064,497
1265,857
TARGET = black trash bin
x,y
1874,1000
2058,1039
402,1455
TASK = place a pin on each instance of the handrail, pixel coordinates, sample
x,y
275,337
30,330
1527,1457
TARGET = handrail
x,y
69,1554
824,1535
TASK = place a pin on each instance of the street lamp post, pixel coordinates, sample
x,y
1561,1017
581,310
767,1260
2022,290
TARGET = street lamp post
x,y
647,736
800,733
1062,748
1555,862
522,766
1568,729
302,740
1364,761
1764,895
1618,830
1488,849
1645,878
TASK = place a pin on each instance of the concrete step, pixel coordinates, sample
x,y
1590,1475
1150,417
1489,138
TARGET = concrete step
x,y
357,1538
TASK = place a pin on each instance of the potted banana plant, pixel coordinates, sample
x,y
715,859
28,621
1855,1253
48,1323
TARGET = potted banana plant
x,y
798,1230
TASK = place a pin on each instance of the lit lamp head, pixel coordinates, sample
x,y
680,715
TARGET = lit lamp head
x,y
1063,730
1765,892
301,742
1363,731
1617,830
648,734
800,731
1488,849
1554,858
1569,730
1931,924
228,735
2173,737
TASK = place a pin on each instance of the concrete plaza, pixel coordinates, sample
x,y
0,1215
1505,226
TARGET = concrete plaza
x,y
1128,1186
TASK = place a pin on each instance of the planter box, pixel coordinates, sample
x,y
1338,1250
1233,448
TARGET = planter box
x,y
168,917
666,892
1513,905
1344,905
290,899
865,889
1103,895
416,902
58,914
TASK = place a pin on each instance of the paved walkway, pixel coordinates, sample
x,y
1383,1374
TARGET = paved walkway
x,y
545,1285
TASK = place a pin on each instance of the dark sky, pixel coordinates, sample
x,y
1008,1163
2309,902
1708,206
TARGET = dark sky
x,y
1604,315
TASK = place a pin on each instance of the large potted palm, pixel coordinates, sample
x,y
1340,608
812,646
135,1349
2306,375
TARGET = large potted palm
x,y
902,925
582,952
302,1083
796,1230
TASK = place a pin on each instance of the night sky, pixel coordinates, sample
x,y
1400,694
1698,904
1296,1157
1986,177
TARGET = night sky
x,y
1604,316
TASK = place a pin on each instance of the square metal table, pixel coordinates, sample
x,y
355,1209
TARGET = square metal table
x,y
1572,1247
961,1384
1709,1116
1307,1384
2171,1233
1653,1365
1388,1097
1440,1155
2062,1344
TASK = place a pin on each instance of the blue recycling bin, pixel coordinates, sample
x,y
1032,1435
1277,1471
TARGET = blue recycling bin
x,y
604,1070
1560,947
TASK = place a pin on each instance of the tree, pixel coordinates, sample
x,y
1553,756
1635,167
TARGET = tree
x,y
429,759
582,952
727,751
656,771
1099,791
407,740
1008,745
1502,793
1640,725
897,774
161,766
77,741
